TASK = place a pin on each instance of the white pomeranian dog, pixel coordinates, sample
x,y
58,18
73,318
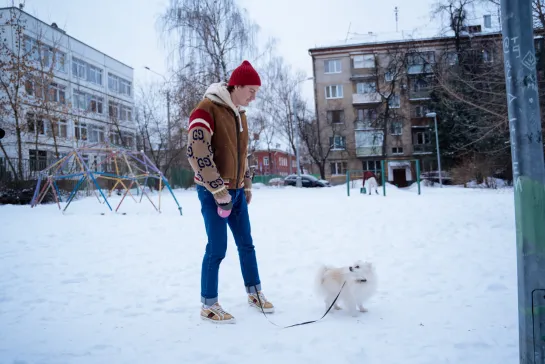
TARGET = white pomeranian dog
x,y
361,284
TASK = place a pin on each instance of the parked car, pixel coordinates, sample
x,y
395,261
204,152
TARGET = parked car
x,y
307,180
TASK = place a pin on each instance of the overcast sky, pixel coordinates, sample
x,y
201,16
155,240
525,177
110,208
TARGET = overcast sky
x,y
126,29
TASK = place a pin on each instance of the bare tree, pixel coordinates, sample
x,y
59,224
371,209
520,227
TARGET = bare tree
x,y
27,67
49,107
280,98
391,80
212,35
318,136
153,133
470,96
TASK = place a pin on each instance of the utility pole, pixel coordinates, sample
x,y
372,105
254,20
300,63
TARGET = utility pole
x,y
169,141
528,175
434,116
298,182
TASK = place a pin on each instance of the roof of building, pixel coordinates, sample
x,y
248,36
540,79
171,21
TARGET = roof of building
x,y
436,30
360,42
55,27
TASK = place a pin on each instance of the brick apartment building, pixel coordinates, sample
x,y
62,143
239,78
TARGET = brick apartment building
x,y
273,162
351,83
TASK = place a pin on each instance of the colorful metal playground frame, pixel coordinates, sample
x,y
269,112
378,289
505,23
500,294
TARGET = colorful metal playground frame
x,y
139,171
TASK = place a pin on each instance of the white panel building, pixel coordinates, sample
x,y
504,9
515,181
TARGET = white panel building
x,y
74,96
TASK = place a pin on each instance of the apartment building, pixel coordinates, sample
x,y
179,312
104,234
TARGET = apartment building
x,y
273,162
372,100
72,94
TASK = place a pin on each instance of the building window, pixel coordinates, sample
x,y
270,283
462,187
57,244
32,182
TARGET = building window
x,y
332,66
60,61
35,125
113,110
265,161
95,104
488,55
420,111
128,140
338,167
119,85
422,137
420,58
420,85
32,49
394,102
397,150
115,138
366,87
334,92
126,113
79,101
337,142
366,115
80,130
57,93
451,58
488,21
96,134
38,159
79,68
396,128
94,75
372,165
335,116
60,127
364,61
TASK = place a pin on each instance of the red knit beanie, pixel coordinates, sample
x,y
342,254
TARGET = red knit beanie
x,y
244,75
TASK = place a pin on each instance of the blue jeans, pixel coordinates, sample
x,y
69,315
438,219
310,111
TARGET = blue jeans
x,y
216,230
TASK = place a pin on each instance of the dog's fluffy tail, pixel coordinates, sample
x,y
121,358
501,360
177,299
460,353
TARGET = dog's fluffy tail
x,y
320,278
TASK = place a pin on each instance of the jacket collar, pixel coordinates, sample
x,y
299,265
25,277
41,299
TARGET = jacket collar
x,y
217,92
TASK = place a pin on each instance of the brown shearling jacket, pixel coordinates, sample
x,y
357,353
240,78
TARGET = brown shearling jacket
x,y
217,145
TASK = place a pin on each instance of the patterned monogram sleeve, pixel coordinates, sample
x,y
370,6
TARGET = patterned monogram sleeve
x,y
201,154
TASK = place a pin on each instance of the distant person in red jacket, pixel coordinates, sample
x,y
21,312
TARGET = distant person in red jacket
x,y
370,181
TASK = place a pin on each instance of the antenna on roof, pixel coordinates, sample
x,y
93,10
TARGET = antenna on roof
x,y
348,32
396,11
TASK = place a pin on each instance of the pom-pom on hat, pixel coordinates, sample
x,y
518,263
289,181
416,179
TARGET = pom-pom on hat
x,y
244,75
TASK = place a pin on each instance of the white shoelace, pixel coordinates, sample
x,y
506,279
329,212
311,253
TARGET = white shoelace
x,y
216,307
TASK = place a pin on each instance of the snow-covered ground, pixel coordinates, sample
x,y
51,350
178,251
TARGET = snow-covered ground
x,y
85,288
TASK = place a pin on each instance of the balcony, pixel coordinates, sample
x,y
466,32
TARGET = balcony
x,y
422,148
369,142
420,94
369,151
416,69
366,124
368,98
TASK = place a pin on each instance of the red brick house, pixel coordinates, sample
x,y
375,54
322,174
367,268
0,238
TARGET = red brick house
x,y
273,162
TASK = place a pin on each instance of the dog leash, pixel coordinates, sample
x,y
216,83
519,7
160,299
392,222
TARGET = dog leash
x,y
301,323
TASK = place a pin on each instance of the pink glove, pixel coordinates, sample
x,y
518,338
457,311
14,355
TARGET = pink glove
x,y
224,206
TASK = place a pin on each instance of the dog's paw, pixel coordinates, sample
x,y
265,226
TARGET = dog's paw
x,y
362,309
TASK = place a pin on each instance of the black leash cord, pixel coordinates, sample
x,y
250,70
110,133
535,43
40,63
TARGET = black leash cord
x,y
301,323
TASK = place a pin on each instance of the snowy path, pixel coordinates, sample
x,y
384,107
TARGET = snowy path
x,y
85,288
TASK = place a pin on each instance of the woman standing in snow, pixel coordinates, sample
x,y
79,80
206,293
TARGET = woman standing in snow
x,y
217,151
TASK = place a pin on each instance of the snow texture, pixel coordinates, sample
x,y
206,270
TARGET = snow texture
x,y
85,288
